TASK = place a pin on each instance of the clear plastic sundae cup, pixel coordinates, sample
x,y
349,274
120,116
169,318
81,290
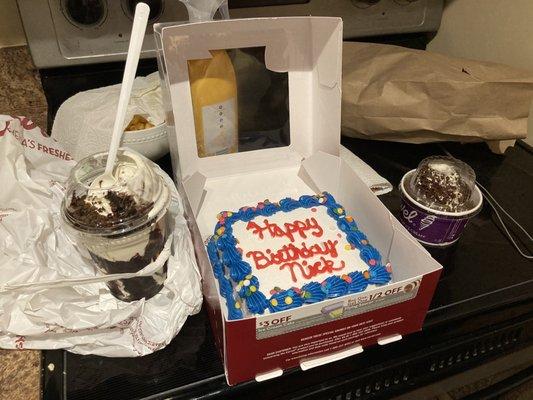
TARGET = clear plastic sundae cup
x,y
123,227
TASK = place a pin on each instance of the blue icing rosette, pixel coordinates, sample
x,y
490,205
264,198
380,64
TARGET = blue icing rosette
x,y
267,209
234,308
308,201
346,226
312,292
358,282
226,241
239,269
284,300
356,238
257,303
247,285
231,218
370,255
246,214
330,201
231,255
226,290
287,204
334,286
248,289
378,275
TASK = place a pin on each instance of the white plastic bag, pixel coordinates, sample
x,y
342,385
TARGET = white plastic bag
x,y
50,296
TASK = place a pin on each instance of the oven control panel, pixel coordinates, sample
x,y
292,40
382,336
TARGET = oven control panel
x,y
78,32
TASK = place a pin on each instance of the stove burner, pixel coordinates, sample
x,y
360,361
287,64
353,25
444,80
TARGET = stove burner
x,y
156,8
85,13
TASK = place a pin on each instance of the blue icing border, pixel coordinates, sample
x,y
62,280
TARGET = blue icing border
x,y
222,249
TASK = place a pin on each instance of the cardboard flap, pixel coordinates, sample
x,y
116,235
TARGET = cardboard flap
x,y
307,48
409,257
194,187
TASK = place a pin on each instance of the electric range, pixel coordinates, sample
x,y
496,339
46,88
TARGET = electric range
x,y
482,311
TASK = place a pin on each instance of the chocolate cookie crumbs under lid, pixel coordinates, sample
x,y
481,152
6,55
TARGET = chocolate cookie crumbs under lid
x,y
443,184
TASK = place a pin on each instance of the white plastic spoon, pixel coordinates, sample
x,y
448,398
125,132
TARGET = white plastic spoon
x,y
140,20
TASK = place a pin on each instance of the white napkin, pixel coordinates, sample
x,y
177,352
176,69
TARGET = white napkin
x,y
84,122
371,178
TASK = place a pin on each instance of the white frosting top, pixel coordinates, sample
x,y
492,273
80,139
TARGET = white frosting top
x,y
136,177
324,251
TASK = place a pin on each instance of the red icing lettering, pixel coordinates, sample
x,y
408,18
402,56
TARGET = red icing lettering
x,y
322,266
286,258
289,230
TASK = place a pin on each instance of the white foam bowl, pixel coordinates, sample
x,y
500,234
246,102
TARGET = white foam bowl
x,y
151,142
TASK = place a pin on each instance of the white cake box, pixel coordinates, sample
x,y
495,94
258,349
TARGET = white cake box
x,y
310,50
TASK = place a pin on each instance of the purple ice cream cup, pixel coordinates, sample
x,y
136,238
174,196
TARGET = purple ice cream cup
x,y
433,227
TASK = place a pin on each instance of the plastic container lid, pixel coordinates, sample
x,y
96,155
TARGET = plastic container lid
x,y
139,195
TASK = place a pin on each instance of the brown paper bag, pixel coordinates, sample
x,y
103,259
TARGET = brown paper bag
x,y
404,95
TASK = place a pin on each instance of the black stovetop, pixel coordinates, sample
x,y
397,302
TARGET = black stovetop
x,y
485,283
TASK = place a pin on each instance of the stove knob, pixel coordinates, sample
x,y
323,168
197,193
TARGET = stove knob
x,y
156,8
365,3
404,2
85,12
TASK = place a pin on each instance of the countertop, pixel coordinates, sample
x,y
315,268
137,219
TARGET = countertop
x,y
22,94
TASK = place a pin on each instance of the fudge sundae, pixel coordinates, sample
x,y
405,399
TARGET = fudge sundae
x,y
443,184
123,225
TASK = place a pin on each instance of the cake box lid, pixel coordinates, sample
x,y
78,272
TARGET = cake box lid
x,y
309,49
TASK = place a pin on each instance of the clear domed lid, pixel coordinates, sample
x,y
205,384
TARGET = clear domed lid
x,y
136,197
443,183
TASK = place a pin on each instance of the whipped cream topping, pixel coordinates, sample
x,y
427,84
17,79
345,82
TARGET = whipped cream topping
x,y
134,176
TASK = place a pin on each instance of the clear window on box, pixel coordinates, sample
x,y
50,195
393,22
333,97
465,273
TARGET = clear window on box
x,y
239,105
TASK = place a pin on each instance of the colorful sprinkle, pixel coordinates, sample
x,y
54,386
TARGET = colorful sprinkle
x,y
253,289
274,302
364,241
237,305
346,278
366,274
349,218
388,267
246,282
348,247
288,300
313,209
239,250
273,292
220,230
339,210
339,235
372,262
229,214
